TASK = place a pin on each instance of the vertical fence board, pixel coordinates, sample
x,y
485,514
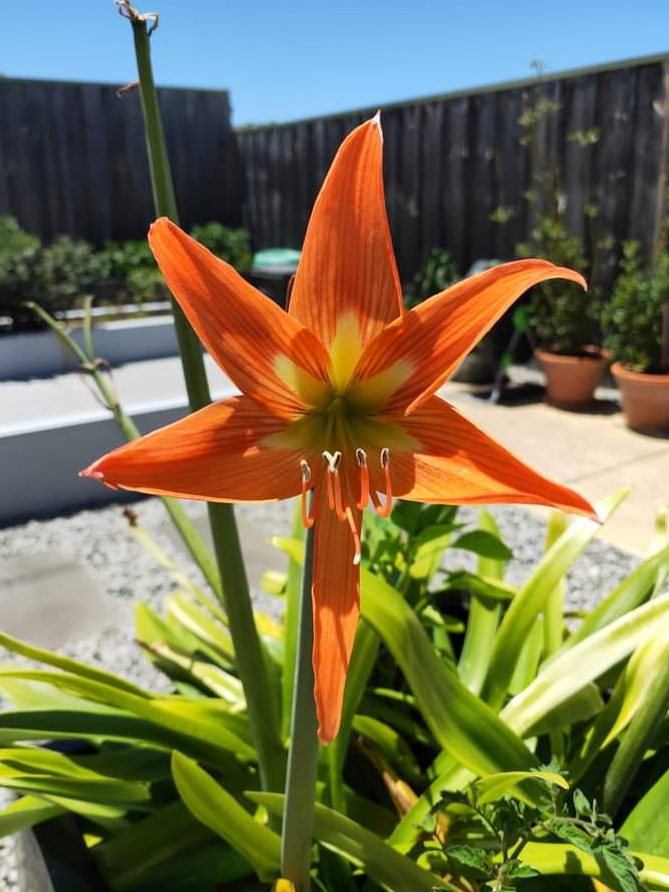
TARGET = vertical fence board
x,y
73,158
450,162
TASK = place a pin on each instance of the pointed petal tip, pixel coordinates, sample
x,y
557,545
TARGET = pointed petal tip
x,y
91,471
325,734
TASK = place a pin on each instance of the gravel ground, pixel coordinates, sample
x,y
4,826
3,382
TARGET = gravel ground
x,y
124,571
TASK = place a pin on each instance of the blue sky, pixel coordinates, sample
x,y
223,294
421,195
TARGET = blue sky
x,y
289,60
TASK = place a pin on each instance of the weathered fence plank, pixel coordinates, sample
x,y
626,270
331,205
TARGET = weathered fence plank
x,y
451,161
73,159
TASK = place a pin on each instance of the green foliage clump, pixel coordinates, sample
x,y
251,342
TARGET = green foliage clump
x,y
57,275
231,245
633,318
436,274
66,269
484,741
540,807
53,275
562,317
18,254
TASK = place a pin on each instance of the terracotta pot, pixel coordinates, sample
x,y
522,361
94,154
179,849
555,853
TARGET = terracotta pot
x,y
645,399
571,380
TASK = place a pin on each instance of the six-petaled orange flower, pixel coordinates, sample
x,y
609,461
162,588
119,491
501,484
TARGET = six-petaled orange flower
x,y
337,394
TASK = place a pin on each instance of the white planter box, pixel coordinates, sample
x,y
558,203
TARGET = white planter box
x,y
41,353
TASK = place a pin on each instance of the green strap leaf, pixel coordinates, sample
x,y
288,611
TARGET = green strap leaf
x,y
28,811
647,825
632,591
571,670
460,722
217,809
531,599
379,860
651,709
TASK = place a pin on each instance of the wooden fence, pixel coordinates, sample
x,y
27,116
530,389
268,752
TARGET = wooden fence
x,y
452,161
73,158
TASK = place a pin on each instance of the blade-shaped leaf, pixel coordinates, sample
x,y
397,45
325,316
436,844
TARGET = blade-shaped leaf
x,y
217,809
380,861
459,721
647,825
531,599
26,812
632,591
571,670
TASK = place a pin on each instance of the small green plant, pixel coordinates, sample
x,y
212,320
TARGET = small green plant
x,y
632,320
436,274
231,245
497,826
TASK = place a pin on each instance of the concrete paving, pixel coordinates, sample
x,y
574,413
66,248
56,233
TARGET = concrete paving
x,y
594,452
49,599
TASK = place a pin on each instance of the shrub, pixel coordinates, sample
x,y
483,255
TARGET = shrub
x,y
66,269
562,318
231,245
18,256
123,258
436,274
633,319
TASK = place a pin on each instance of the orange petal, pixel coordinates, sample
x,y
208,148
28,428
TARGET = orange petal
x,y
457,463
248,335
215,454
434,337
348,266
336,605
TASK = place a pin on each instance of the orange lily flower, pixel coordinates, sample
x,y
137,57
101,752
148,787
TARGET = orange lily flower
x,y
337,394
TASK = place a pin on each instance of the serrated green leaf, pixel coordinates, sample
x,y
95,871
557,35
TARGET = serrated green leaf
x,y
469,862
568,832
621,867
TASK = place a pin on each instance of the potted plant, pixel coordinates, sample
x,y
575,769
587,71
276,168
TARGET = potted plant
x,y
633,323
563,320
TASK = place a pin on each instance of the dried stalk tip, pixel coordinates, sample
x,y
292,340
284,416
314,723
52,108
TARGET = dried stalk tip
x,y
131,516
128,11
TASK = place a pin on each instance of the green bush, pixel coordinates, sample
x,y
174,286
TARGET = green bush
x,y
66,270
562,318
18,257
123,258
231,245
632,320
56,275
436,274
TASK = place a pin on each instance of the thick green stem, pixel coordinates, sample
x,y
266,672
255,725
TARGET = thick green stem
x,y
251,658
298,815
